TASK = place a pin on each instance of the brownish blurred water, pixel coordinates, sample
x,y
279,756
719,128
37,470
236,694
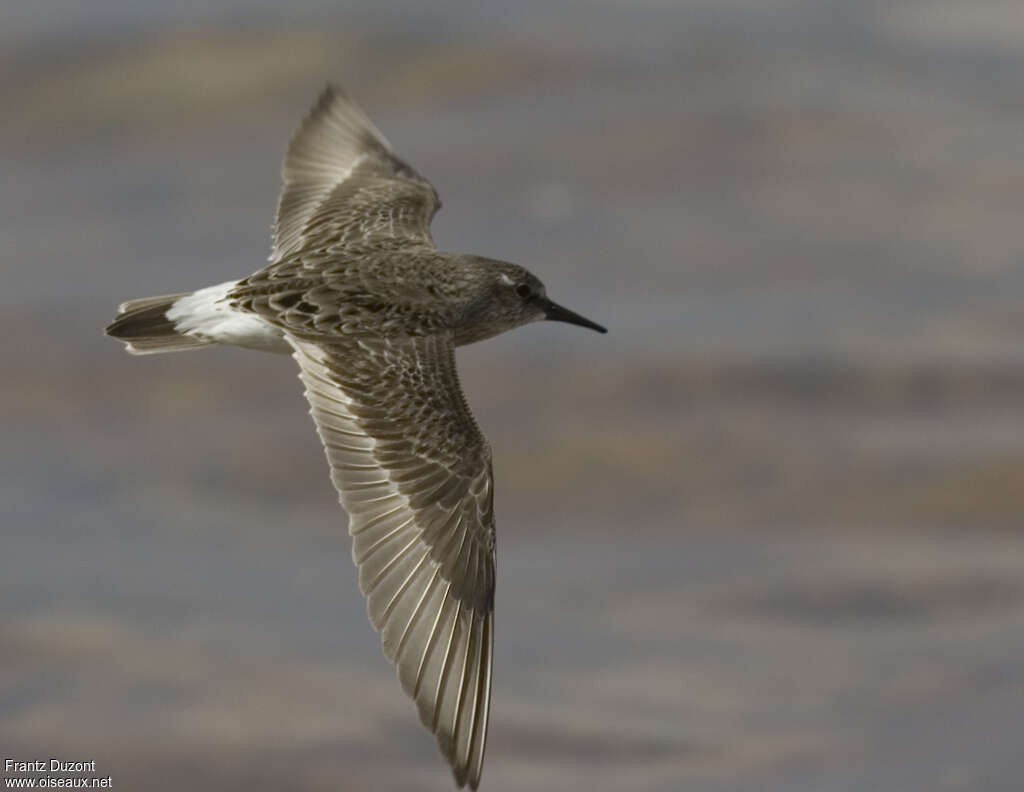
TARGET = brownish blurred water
x,y
765,535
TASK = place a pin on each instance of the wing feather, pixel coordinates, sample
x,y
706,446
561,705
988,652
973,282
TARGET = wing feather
x,y
421,521
443,696
342,184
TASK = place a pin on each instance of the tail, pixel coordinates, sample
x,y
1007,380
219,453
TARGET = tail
x,y
144,326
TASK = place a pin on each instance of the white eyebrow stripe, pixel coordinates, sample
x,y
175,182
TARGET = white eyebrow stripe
x,y
505,279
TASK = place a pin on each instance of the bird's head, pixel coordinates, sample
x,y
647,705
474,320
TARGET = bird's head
x,y
509,296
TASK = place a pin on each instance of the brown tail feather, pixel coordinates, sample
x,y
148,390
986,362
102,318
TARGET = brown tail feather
x,y
144,326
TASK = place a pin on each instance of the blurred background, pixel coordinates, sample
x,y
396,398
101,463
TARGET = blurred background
x,y
765,535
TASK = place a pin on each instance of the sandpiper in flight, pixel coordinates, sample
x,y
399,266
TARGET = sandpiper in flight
x,y
372,311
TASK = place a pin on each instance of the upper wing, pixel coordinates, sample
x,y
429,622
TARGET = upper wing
x,y
414,474
343,184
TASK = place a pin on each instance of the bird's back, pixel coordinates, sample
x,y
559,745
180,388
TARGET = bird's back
x,y
380,291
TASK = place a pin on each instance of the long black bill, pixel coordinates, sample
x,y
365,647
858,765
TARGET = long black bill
x,y
557,313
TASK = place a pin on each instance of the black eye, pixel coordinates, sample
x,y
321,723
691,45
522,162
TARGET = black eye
x,y
524,290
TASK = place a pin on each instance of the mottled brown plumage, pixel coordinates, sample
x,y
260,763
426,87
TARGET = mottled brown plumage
x,y
372,312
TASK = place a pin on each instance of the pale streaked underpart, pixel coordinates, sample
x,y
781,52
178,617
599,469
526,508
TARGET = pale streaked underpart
x,y
372,311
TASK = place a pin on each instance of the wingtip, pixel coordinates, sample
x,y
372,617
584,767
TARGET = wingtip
x,y
329,92
327,96
465,777
332,92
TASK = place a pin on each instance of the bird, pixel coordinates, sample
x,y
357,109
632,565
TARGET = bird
x,y
372,311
